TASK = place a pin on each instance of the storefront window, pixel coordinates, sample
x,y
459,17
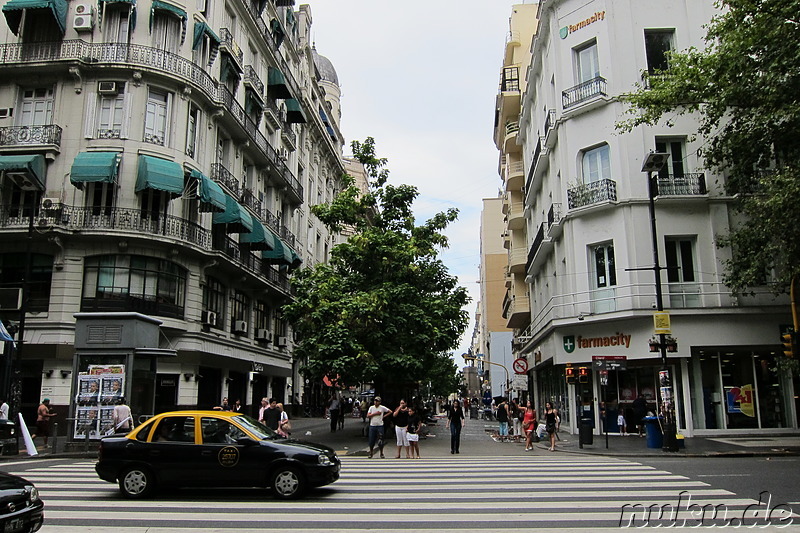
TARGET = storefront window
x,y
553,388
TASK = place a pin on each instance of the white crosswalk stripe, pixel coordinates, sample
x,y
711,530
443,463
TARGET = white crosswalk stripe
x,y
433,494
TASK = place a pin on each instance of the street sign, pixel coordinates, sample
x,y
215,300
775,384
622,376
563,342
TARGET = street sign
x,y
520,382
609,362
661,323
521,365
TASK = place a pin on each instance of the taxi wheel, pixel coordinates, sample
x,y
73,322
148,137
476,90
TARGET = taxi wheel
x,y
287,482
136,482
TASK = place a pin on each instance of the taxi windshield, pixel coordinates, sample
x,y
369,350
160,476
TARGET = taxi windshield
x,y
255,427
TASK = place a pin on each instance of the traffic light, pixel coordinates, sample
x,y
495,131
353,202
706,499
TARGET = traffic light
x,y
790,344
583,374
570,375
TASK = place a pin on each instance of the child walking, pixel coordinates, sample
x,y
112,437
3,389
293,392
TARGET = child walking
x,y
623,428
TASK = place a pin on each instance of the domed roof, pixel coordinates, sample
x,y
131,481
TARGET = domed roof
x,y
325,67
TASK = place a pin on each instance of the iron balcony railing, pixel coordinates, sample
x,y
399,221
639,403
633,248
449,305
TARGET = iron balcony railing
x,y
226,41
535,245
233,250
288,134
250,77
554,214
249,199
550,121
145,56
225,177
30,135
592,193
583,91
690,184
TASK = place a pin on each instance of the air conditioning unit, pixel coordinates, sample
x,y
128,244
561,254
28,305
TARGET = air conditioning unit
x,y
107,87
281,342
51,204
209,318
240,327
84,18
263,334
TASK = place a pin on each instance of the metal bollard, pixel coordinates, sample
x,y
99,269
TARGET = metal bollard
x,y
55,437
86,430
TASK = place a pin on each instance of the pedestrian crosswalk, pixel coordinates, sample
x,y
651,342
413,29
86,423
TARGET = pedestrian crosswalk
x,y
542,492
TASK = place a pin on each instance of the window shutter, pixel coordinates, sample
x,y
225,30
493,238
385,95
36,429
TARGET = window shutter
x,y
126,119
90,126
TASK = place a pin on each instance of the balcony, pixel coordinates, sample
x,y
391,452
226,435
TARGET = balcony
x,y
540,248
515,175
289,136
225,177
516,310
510,139
249,199
30,136
539,163
693,184
592,193
554,226
228,45
516,260
272,113
516,212
252,80
583,92
549,128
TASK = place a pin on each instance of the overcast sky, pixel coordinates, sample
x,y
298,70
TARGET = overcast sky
x,y
421,78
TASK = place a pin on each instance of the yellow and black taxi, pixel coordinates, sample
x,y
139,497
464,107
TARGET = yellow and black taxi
x,y
21,509
212,449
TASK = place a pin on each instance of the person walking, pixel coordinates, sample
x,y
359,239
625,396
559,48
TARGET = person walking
x,y
122,418
400,417
284,427
376,413
502,418
551,421
517,414
4,410
333,411
272,415
455,421
623,427
529,425
414,426
639,407
43,416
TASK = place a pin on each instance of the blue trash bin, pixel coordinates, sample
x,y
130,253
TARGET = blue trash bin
x,y
655,439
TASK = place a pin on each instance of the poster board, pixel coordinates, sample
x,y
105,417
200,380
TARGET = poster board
x,y
99,389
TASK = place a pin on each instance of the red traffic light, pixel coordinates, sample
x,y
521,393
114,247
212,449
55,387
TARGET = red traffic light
x,y
570,373
583,374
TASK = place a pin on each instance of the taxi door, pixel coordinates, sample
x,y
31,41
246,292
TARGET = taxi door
x,y
227,462
171,449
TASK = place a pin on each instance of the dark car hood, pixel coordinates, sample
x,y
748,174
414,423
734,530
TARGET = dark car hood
x,y
310,446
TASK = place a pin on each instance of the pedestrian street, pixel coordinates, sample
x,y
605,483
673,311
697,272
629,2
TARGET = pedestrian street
x,y
460,493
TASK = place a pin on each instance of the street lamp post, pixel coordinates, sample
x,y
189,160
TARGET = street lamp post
x,y
652,164
468,357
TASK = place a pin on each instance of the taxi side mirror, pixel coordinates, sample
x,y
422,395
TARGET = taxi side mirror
x,y
246,441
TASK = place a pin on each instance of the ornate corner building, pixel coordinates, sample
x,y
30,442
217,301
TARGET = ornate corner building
x,y
157,164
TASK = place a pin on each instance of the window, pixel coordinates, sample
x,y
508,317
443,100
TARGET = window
x,y
657,44
111,117
154,205
12,274
681,274
216,431
673,147
193,130
117,24
214,299
596,164
263,315
133,283
605,274
201,55
36,107
240,310
166,32
100,198
156,118
175,429
587,64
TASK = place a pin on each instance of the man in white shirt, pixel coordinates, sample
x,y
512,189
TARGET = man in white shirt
x,y
376,414
4,410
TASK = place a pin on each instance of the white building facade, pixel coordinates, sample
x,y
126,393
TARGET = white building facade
x,y
166,153
589,268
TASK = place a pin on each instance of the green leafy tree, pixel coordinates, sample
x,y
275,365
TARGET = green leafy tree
x,y
744,87
384,309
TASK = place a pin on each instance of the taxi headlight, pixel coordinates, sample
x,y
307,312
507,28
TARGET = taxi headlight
x,y
324,460
33,493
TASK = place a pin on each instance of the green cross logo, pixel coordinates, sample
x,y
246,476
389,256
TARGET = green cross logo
x,y
569,343
563,32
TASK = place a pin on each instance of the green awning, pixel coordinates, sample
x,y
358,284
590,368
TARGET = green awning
x,y
258,239
235,217
31,169
158,5
229,70
252,103
278,33
94,167
211,195
281,254
13,12
160,175
200,29
296,261
276,84
294,113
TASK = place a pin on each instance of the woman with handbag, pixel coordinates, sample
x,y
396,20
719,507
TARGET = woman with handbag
x,y
284,426
551,421
529,425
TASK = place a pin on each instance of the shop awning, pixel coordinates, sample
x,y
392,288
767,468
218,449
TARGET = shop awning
x,y
160,175
281,254
13,12
276,84
27,171
236,217
294,113
211,195
158,5
258,239
94,167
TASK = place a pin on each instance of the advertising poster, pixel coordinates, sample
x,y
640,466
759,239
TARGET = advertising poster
x,y
106,421
88,389
111,389
740,400
86,422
